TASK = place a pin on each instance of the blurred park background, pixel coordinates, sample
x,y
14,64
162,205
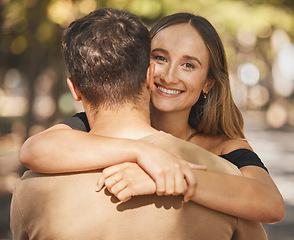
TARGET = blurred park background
x,y
258,36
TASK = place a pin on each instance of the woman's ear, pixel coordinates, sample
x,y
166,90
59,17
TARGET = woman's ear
x,y
208,85
150,76
74,90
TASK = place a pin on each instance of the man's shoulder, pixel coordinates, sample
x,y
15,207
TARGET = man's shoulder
x,y
38,182
173,144
192,153
162,138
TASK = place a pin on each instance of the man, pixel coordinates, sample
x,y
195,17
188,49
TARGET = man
x,y
107,54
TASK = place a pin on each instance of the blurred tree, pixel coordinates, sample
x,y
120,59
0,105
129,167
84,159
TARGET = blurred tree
x,y
30,35
278,3
30,44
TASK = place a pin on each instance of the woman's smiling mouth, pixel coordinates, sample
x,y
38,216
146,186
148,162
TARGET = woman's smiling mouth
x,y
168,91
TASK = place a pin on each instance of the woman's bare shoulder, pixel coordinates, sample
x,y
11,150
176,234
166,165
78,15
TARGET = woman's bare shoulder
x,y
228,145
219,144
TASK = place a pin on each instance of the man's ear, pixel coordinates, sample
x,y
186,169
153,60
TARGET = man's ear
x,y
150,76
208,85
74,90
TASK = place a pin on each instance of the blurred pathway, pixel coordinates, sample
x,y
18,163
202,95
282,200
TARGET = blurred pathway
x,y
276,149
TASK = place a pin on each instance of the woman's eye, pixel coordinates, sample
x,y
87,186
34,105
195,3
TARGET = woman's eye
x,y
189,65
160,58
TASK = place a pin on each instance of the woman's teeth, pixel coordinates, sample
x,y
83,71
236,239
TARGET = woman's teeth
x,y
169,91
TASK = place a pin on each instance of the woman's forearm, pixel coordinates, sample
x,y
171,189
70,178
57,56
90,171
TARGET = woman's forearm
x,y
245,197
239,196
61,149
67,150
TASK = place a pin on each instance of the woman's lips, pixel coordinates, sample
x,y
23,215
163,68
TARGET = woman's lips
x,y
168,91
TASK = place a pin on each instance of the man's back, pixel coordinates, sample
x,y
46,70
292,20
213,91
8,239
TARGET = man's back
x,y
67,207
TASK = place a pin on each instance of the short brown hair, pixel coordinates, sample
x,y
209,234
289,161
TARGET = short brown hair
x,y
107,54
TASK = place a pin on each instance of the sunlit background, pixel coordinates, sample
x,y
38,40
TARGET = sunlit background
x,y
258,36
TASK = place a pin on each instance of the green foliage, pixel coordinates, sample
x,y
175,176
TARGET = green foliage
x,y
30,32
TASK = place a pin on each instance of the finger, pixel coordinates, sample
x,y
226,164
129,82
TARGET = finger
x,y
107,172
191,185
160,184
198,167
124,195
170,183
180,184
100,182
119,186
112,180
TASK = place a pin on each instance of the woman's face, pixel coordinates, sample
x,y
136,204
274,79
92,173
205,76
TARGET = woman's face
x,y
181,64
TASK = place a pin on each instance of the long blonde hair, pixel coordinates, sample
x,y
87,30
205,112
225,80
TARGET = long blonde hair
x,y
217,114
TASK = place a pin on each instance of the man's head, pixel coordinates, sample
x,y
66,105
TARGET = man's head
x,y
107,54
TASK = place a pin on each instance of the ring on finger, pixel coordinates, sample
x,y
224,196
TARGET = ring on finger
x,y
114,178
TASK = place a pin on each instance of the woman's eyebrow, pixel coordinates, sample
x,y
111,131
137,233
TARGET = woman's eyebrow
x,y
159,50
193,58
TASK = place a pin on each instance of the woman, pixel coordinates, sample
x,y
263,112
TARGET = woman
x,y
192,100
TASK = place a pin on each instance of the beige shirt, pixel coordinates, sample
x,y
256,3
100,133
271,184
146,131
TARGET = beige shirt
x,y
66,206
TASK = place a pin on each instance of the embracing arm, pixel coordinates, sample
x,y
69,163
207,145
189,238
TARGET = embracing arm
x,y
62,149
253,196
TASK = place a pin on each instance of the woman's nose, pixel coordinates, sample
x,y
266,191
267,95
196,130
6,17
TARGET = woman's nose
x,y
169,76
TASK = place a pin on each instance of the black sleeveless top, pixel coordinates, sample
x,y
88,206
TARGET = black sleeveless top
x,y
240,157
244,157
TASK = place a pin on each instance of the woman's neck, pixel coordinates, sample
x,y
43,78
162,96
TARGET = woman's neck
x,y
175,123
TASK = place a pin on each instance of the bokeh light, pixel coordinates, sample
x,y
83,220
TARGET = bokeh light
x,y
283,66
44,32
45,82
19,44
277,115
62,12
262,29
66,103
258,96
44,106
146,8
13,106
36,129
282,85
286,60
249,74
86,6
12,79
246,37
278,39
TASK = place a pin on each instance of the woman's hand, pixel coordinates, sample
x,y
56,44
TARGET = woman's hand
x,y
128,179
171,174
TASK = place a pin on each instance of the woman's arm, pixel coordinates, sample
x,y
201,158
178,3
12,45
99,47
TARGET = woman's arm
x,y
61,149
252,196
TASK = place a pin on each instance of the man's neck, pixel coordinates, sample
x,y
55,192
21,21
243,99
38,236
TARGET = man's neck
x,y
125,122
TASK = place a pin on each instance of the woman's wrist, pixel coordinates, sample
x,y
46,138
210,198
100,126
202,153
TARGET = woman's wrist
x,y
139,149
134,150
